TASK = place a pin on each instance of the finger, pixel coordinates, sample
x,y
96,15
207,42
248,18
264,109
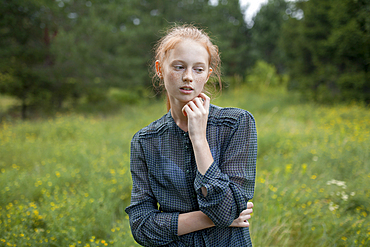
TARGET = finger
x,y
193,107
250,205
244,218
199,103
204,97
206,101
247,211
191,110
240,223
185,110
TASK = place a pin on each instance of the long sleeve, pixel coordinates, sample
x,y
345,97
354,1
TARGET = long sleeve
x,y
149,226
230,179
164,172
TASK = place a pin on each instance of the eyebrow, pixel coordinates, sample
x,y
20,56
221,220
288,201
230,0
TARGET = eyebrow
x,y
181,61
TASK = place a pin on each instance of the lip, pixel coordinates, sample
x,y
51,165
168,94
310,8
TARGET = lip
x,y
186,89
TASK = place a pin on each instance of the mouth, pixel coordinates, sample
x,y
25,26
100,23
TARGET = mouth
x,y
186,89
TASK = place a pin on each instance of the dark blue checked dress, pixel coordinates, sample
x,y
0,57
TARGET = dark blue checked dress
x,y
166,181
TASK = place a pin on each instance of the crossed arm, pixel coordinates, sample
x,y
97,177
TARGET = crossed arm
x,y
153,227
197,114
197,220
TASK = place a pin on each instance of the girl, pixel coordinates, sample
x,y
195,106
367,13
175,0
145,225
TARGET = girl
x,y
193,170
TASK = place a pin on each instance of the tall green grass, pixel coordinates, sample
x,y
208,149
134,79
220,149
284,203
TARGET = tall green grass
x,y
313,171
65,181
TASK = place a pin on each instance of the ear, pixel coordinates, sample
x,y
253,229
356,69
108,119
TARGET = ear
x,y
158,69
209,73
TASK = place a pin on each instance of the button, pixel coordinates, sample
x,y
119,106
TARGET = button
x,y
187,171
186,147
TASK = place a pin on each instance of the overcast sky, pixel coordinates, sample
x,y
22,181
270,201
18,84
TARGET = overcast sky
x,y
254,6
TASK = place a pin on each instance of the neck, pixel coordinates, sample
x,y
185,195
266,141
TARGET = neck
x,y
178,116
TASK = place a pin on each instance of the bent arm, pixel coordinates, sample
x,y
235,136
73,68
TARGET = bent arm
x,y
229,180
197,220
193,221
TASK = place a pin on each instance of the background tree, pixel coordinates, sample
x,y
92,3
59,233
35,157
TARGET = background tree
x,y
110,45
328,50
53,52
226,23
23,51
58,51
266,33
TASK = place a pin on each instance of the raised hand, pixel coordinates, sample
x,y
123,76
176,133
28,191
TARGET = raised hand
x,y
197,111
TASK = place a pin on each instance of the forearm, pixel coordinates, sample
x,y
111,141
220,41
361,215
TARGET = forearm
x,y
193,221
203,158
225,199
197,220
203,155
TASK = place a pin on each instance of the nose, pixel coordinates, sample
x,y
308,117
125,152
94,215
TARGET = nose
x,y
188,75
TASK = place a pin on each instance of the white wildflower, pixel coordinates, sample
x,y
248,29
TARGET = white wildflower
x,y
338,183
344,196
333,206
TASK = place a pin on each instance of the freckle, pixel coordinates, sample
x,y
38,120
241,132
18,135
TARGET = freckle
x,y
174,77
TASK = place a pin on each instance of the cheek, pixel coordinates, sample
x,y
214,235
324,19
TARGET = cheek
x,y
201,81
171,80
170,77
174,76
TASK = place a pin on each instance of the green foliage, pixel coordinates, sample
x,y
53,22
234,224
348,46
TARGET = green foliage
x,y
266,33
22,52
53,53
68,50
264,75
312,170
72,182
124,96
328,51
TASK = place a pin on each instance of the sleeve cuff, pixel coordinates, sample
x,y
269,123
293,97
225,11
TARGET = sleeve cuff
x,y
211,180
175,225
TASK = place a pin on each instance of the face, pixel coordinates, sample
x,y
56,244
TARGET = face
x,y
185,71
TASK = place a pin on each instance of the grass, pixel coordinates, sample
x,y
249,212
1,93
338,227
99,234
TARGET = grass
x,y
65,181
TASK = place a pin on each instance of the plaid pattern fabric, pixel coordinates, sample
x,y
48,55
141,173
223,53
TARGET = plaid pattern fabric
x,y
166,181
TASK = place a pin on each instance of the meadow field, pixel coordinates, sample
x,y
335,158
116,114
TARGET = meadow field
x,y
65,180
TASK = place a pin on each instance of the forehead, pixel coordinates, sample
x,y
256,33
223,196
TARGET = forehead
x,y
190,51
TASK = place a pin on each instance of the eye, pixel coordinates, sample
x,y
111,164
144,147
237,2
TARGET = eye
x,y
178,67
199,69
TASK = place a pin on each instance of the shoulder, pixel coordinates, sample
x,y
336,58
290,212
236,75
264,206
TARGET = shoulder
x,y
230,115
153,129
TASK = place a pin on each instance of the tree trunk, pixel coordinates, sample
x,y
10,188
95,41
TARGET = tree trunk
x,y
24,109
